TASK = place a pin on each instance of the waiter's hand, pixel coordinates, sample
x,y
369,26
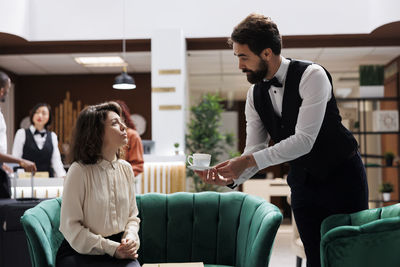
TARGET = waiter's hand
x,y
211,176
232,169
7,168
28,165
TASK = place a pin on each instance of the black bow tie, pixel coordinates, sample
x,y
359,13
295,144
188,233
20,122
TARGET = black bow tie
x,y
274,81
37,132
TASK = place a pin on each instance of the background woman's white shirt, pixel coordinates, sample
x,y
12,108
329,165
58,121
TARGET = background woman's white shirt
x,y
19,142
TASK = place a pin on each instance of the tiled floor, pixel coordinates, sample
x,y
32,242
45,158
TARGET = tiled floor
x,y
282,254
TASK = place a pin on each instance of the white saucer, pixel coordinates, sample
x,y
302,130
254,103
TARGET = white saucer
x,y
198,168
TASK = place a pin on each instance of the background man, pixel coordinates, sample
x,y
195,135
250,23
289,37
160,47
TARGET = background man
x,y
29,166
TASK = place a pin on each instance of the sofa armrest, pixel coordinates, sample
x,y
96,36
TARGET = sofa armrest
x,y
41,225
381,225
334,221
363,245
263,228
38,244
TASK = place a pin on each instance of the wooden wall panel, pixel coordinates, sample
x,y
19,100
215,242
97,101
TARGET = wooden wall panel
x,y
89,89
390,142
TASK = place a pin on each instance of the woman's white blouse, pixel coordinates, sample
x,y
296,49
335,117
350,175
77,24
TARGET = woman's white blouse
x,y
99,201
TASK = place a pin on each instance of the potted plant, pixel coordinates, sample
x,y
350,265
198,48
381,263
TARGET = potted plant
x,y
203,136
386,188
176,145
371,80
389,156
356,125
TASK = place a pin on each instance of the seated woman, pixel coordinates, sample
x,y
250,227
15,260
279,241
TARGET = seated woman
x,y
98,212
133,151
38,144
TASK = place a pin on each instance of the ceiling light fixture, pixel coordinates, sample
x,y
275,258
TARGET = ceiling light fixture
x,y
106,61
124,81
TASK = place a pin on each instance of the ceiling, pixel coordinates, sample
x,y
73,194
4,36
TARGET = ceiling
x,y
209,70
217,69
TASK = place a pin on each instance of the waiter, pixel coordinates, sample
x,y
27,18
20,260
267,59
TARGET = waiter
x,y
291,102
5,84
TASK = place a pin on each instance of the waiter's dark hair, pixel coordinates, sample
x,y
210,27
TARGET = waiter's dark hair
x,y
35,108
258,32
3,79
88,134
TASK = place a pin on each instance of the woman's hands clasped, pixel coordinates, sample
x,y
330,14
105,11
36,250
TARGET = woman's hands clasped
x,y
127,250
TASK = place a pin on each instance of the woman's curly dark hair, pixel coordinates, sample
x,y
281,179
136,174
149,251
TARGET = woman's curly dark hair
x,y
88,134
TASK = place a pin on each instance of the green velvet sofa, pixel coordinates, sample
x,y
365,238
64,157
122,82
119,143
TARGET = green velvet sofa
x,y
369,238
219,229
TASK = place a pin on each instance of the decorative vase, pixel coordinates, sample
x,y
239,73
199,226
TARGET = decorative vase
x,y
386,196
371,91
389,161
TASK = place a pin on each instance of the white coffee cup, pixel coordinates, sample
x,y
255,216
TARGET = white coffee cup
x,y
270,175
199,159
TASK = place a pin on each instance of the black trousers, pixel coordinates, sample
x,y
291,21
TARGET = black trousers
x,y
344,189
68,257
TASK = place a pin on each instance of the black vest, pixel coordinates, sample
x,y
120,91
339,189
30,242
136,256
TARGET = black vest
x,y
41,157
334,142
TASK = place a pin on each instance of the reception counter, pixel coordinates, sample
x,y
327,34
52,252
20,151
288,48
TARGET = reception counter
x,y
42,187
162,174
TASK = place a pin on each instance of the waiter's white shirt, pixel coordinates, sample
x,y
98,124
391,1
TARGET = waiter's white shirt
x,y
3,134
315,91
19,142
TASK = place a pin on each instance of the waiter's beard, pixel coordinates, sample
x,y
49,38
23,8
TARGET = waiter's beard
x,y
257,75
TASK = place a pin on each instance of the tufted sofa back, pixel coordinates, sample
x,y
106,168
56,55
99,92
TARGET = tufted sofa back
x,y
233,229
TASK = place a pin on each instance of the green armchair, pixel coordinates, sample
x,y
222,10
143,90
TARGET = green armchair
x,y
367,238
219,229
41,225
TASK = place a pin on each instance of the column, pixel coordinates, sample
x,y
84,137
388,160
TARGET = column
x,y
168,97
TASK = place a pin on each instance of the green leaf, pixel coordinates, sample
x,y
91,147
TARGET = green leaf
x,y
204,137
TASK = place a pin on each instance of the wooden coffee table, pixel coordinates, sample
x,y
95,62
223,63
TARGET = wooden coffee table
x,y
180,264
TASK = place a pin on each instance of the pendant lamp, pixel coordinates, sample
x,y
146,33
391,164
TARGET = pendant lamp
x,y
124,81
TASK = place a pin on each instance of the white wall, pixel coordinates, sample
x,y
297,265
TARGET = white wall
x,y
102,19
14,18
383,12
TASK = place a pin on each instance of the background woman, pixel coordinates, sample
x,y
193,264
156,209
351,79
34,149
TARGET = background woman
x,y
134,149
98,212
38,144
